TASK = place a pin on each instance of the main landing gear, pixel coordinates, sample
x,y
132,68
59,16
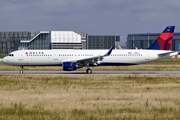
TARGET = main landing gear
x,y
88,70
21,70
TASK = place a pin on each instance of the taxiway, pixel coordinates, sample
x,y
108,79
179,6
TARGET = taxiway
x,y
94,72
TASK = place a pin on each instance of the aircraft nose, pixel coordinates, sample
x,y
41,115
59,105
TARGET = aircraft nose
x,y
4,60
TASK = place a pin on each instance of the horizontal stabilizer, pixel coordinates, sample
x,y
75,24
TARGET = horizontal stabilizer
x,y
170,54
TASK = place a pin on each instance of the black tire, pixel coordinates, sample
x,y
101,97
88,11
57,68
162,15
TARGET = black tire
x,y
21,71
88,71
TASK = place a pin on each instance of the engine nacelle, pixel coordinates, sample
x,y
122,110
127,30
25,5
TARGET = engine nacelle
x,y
69,66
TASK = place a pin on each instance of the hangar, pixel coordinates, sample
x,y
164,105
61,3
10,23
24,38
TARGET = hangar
x,y
53,40
11,41
144,40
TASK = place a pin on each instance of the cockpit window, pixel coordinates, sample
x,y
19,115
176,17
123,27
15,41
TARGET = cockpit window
x,y
11,55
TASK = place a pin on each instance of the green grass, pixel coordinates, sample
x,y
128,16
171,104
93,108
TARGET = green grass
x,y
89,97
2,55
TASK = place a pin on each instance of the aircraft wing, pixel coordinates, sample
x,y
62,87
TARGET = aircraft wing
x,y
90,60
94,59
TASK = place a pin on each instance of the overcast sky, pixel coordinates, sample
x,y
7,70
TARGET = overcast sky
x,y
96,17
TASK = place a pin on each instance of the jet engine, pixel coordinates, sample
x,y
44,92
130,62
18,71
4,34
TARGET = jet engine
x,y
69,66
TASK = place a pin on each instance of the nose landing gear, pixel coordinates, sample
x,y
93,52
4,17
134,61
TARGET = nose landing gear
x,y
21,70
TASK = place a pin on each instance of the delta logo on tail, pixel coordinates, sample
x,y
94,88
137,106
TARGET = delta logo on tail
x,y
164,41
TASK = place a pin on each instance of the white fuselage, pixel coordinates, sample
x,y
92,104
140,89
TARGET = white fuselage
x,y
56,57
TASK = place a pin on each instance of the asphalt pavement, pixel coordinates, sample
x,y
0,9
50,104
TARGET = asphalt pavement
x,y
93,72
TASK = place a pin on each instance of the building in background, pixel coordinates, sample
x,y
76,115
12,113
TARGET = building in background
x,y
84,37
53,40
143,41
122,42
41,40
11,41
101,41
65,40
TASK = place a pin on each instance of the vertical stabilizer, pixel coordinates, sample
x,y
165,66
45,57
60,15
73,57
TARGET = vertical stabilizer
x,y
164,40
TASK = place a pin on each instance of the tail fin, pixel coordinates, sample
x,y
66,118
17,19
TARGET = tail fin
x,y
164,41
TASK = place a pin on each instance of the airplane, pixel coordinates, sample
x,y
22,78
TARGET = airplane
x,y
71,60
118,47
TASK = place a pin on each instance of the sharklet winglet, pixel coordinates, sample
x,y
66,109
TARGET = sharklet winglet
x,y
109,52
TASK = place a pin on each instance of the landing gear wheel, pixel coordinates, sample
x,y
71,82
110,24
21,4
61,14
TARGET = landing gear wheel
x,y
88,71
21,71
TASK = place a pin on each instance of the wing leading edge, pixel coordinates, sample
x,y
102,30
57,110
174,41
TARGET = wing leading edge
x,y
96,58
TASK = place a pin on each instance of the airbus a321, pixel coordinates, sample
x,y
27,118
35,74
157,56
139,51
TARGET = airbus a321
x,y
71,60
